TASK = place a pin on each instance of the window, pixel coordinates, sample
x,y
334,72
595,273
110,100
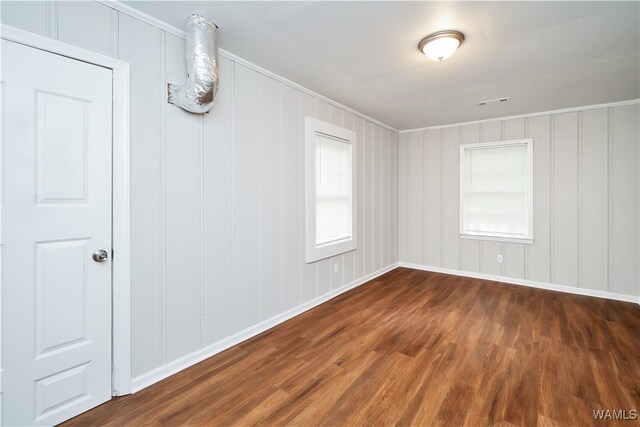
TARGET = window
x,y
330,153
496,191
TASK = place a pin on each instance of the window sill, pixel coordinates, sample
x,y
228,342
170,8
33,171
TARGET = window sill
x,y
497,239
316,253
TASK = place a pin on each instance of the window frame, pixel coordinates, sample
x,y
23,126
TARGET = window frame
x,y
464,234
317,252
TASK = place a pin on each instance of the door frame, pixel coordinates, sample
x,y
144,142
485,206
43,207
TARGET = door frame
x,y
120,267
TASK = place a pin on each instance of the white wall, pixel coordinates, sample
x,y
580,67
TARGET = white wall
x,y
586,192
217,199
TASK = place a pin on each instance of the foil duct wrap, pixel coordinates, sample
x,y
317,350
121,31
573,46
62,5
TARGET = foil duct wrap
x,y
199,92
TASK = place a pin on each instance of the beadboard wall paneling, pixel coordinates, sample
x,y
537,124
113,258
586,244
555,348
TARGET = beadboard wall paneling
x,y
538,255
182,210
96,23
515,265
432,201
624,246
378,135
218,211
270,213
393,197
292,197
33,16
368,202
565,215
593,189
349,259
359,256
450,197
586,200
470,250
141,46
309,272
403,196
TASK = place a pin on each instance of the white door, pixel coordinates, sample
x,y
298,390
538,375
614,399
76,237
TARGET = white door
x,y
56,183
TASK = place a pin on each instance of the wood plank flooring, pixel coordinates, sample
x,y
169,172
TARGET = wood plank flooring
x,y
413,348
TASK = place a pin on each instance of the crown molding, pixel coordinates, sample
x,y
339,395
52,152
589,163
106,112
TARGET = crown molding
x,y
141,16
523,116
135,13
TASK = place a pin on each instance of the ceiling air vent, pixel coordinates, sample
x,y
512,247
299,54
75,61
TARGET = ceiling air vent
x,y
493,101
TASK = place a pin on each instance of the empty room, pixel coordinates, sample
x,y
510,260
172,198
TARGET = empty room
x,y
319,213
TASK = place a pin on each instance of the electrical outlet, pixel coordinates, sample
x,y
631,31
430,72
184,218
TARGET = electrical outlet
x,y
499,258
336,268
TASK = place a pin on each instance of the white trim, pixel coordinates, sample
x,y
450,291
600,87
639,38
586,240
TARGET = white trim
x,y
135,13
524,282
524,116
121,339
188,360
505,143
141,16
315,251
121,318
496,238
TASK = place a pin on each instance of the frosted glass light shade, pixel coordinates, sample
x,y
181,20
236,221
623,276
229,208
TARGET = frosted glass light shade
x,y
441,49
441,45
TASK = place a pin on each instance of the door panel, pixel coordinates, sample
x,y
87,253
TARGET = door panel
x,y
56,174
69,387
63,135
61,294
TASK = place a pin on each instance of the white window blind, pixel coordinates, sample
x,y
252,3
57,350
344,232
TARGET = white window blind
x,y
330,190
333,189
496,190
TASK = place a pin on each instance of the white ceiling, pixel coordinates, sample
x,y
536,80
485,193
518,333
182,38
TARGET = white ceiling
x,y
544,55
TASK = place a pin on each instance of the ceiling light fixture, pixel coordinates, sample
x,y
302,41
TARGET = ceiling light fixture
x,y
441,45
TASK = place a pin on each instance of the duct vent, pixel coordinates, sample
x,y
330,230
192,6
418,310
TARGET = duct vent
x,y
199,92
493,101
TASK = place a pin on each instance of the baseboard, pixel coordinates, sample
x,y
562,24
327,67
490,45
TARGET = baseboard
x,y
523,282
188,360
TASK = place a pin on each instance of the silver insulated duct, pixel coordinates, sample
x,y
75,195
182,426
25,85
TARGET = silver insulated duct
x,y
199,93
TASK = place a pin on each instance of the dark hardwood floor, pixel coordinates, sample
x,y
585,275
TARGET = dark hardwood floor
x,y
413,348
